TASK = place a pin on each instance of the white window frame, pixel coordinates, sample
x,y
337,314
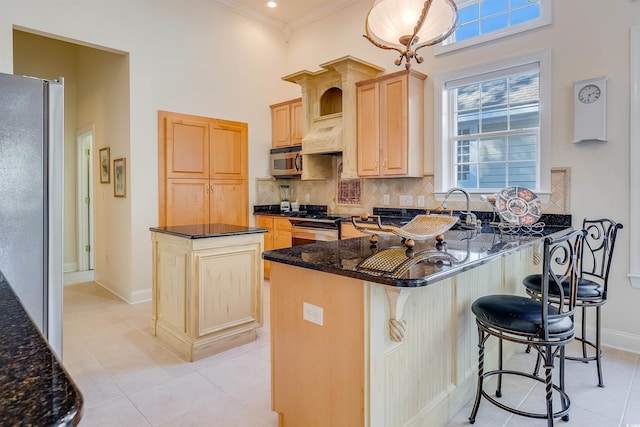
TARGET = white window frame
x,y
443,150
546,18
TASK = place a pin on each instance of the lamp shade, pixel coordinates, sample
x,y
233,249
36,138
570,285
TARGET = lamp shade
x,y
393,22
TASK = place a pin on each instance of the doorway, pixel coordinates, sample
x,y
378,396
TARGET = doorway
x,y
85,199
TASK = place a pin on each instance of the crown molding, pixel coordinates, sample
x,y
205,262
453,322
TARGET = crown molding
x,y
249,13
261,18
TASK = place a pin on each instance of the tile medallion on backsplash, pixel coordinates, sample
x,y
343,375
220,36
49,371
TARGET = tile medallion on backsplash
x,y
349,190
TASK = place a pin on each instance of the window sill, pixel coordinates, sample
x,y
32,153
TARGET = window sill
x,y
475,196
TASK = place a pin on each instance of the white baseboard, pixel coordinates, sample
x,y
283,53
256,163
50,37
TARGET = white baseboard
x,y
126,295
70,267
615,339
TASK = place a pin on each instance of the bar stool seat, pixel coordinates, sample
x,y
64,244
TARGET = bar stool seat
x,y
517,314
545,325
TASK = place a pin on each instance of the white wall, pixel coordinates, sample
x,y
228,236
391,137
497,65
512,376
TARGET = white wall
x,y
184,55
599,172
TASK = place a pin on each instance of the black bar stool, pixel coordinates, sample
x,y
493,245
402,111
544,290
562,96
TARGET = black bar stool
x,y
547,327
592,285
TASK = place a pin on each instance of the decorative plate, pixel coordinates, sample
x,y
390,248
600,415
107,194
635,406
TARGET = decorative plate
x,y
518,205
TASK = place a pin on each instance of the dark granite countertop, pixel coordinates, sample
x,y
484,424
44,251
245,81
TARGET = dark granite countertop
x,y
390,263
203,231
35,389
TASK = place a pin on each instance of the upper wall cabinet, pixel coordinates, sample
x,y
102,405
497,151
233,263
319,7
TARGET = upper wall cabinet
x,y
286,123
390,125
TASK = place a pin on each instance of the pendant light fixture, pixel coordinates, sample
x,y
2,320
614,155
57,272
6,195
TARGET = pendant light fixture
x,y
408,25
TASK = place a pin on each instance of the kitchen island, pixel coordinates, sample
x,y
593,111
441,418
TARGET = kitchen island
x,y
206,294
35,389
379,335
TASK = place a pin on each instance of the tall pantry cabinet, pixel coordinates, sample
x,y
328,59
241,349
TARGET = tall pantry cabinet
x,y
202,170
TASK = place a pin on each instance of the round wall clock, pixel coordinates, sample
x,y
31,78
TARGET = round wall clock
x,y
589,94
590,110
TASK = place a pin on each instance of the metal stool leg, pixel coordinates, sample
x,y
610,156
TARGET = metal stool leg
x,y
548,368
584,334
499,387
598,347
476,404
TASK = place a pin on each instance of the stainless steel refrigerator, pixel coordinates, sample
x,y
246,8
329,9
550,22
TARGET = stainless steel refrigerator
x,y
31,197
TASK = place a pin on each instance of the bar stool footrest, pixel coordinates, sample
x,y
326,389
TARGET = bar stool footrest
x,y
563,413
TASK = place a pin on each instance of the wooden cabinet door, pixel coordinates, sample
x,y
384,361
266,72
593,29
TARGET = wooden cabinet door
x,y
186,146
368,124
263,221
394,125
228,150
296,122
228,202
280,125
186,201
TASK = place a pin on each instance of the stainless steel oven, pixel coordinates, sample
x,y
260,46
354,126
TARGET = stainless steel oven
x,y
305,232
286,162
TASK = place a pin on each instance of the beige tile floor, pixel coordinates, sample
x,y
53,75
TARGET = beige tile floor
x,y
129,379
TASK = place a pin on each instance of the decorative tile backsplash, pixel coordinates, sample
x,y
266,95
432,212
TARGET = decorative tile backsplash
x,y
339,195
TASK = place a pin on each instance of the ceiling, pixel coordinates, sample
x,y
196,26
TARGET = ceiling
x,y
289,13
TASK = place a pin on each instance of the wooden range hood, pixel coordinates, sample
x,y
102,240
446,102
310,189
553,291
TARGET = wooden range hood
x,y
329,115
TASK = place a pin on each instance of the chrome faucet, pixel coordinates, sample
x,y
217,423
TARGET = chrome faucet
x,y
470,218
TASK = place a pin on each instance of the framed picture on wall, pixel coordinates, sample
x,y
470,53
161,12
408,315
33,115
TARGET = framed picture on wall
x,y
105,175
120,177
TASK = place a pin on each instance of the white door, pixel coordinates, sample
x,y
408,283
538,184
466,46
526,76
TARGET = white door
x,y
85,200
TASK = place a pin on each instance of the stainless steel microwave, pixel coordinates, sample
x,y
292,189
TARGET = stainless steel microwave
x,y
286,162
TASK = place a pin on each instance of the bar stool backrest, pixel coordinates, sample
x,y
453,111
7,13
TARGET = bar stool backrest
x,y
598,250
561,266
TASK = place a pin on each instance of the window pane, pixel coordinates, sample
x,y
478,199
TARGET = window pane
x,y
491,7
518,3
468,14
466,151
468,31
523,174
468,97
492,149
524,88
467,176
494,23
494,119
468,123
494,92
492,175
525,14
523,147
524,116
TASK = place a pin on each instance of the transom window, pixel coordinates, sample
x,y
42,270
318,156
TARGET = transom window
x,y
483,20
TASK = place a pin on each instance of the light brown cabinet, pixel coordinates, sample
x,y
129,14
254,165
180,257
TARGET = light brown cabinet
x,y
348,231
390,125
202,168
286,123
278,235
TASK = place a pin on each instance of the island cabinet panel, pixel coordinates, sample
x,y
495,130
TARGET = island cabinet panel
x,y
317,371
350,372
227,294
206,294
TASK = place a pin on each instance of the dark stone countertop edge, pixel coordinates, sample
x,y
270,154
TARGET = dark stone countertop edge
x,y
35,388
281,256
205,231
